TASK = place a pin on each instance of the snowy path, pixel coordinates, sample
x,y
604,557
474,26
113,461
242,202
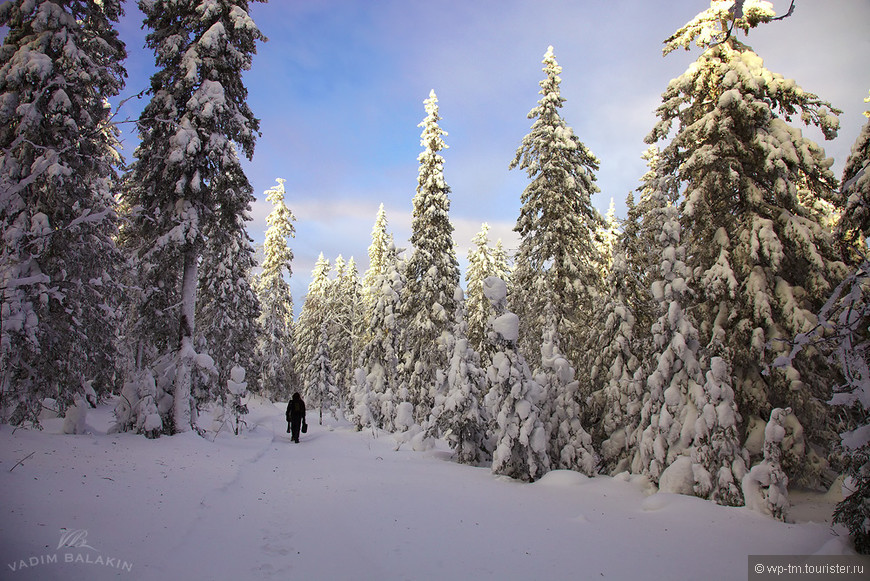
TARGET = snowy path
x,y
346,505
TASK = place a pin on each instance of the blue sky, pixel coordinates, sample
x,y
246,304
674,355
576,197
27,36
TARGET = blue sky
x,y
339,89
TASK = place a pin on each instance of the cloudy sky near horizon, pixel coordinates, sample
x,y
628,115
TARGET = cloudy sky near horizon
x,y
339,89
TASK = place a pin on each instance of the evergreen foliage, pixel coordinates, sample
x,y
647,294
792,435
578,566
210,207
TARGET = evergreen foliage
x,y
842,336
227,308
315,312
187,172
570,445
458,415
432,271
377,380
847,312
60,270
345,315
378,250
666,424
483,261
276,343
558,260
757,244
617,373
513,398
322,391
766,485
854,223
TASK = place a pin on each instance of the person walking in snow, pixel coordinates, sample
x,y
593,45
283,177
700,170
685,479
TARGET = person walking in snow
x,y
295,416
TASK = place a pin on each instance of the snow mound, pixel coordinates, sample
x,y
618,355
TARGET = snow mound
x,y
562,479
678,477
658,502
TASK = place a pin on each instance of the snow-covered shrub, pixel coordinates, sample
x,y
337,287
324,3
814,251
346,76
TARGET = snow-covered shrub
x,y
237,388
76,415
137,409
458,414
513,400
404,416
765,486
570,445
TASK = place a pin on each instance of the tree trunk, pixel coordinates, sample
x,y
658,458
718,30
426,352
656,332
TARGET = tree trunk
x,y
182,409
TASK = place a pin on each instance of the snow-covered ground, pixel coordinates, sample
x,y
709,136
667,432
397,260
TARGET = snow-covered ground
x,y
347,505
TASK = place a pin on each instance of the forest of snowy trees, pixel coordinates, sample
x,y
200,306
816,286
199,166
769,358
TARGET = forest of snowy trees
x,y
713,342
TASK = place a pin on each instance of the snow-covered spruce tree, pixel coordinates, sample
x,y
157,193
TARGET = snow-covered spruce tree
x,y
846,317
483,261
606,239
687,414
624,316
378,249
276,344
369,288
570,445
617,372
665,429
842,336
432,271
848,312
558,260
854,226
346,311
190,131
227,308
638,244
719,460
321,391
513,397
758,247
59,266
315,310
376,385
458,415
627,318
765,486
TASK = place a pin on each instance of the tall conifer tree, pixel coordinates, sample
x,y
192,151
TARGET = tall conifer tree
x,y
432,271
315,311
227,307
760,251
377,382
59,267
558,260
276,346
186,171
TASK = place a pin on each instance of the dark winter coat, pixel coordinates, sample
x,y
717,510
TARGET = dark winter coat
x,y
295,409
295,416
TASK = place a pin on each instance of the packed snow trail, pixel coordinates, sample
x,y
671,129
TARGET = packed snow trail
x,y
346,505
